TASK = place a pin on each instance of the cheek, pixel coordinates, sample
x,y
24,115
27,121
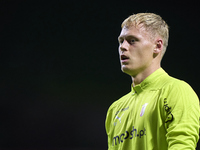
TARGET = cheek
x,y
147,51
119,50
142,56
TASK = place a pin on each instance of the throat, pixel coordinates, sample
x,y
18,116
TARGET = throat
x,y
138,78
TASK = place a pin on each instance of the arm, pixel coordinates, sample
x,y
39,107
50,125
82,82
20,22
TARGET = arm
x,y
181,117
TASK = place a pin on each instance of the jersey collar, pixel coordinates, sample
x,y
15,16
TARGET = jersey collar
x,y
148,82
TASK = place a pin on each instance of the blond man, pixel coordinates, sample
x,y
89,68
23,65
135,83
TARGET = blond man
x,y
160,112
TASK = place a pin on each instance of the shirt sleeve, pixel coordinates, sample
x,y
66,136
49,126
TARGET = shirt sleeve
x,y
182,113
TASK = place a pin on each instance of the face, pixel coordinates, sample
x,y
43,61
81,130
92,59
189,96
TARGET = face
x,y
136,50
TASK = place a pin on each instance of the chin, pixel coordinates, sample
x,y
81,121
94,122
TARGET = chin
x,y
125,69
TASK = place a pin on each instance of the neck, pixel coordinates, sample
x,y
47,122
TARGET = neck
x,y
137,79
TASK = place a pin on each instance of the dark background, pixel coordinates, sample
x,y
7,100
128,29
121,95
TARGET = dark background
x,y
60,70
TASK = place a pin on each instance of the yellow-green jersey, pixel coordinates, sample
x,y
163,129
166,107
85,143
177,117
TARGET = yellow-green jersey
x,y
161,113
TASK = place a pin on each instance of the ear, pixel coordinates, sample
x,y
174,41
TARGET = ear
x,y
158,46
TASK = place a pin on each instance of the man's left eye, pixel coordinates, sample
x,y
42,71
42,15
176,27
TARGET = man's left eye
x,y
132,41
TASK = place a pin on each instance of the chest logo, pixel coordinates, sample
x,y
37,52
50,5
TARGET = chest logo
x,y
143,109
119,118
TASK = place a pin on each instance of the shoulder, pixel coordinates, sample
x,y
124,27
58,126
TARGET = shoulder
x,y
119,101
179,91
165,81
175,89
174,84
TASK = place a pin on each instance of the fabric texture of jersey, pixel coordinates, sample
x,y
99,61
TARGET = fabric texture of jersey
x,y
161,113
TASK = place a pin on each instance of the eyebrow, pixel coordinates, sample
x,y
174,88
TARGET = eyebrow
x,y
127,36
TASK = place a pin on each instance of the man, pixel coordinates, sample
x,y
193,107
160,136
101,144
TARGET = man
x,y
160,112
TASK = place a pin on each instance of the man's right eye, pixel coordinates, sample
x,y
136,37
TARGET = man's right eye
x,y
121,41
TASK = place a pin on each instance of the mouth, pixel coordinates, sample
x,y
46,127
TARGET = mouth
x,y
124,58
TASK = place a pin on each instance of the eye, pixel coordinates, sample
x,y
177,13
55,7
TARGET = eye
x,y
121,41
132,41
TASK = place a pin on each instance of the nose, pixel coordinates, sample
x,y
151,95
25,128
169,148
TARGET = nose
x,y
124,46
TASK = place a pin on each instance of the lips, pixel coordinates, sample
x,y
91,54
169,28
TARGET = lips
x,y
124,57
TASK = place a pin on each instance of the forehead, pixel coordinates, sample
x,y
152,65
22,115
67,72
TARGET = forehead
x,y
137,31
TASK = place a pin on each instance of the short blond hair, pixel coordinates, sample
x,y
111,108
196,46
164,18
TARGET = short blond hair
x,y
153,23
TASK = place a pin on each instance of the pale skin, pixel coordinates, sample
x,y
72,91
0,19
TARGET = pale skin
x,y
139,54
